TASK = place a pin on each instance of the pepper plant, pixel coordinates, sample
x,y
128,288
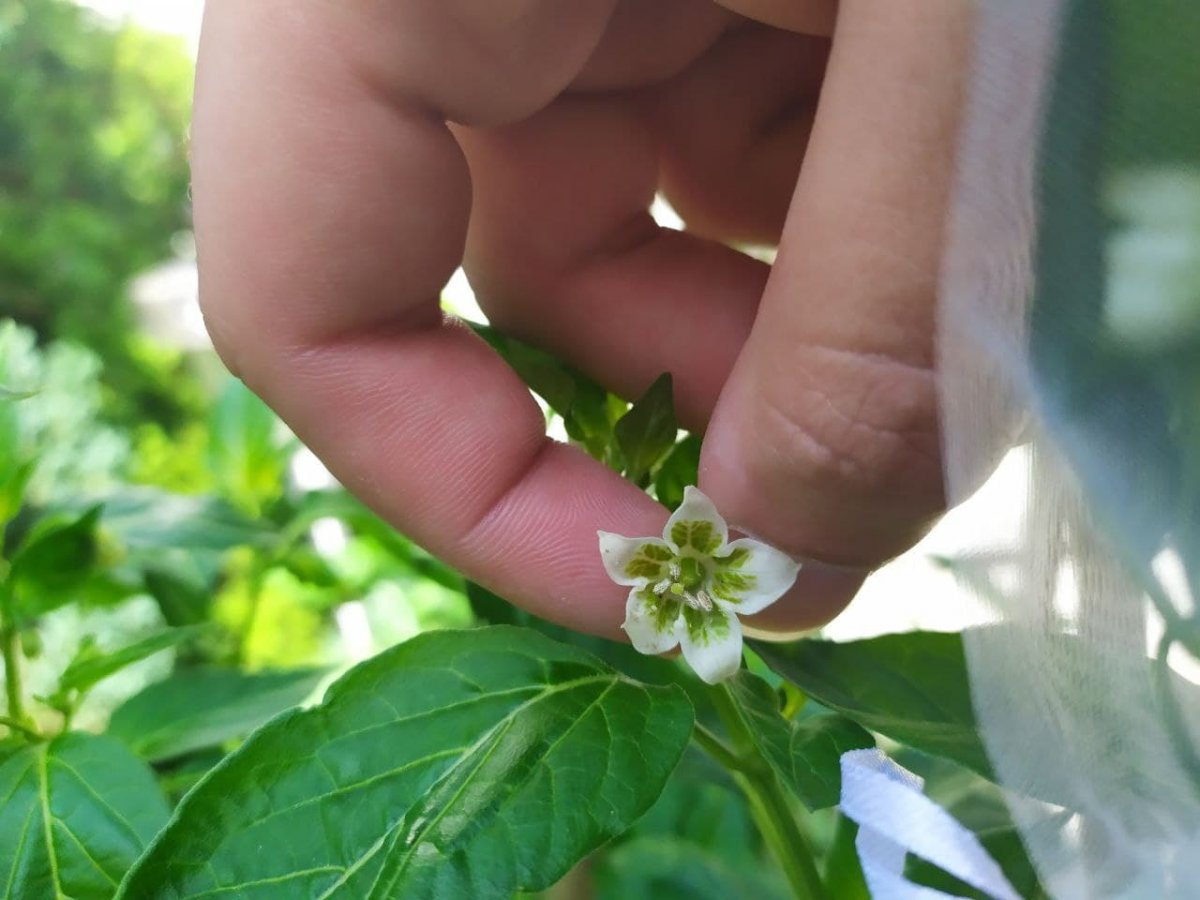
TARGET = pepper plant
x,y
492,754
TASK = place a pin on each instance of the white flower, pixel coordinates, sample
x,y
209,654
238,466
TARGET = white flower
x,y
690,587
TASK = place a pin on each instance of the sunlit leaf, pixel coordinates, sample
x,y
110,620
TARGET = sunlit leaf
x,y
460,764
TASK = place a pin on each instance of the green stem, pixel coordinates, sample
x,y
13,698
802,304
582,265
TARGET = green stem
x,y
715,747
769,805
10,646
21,727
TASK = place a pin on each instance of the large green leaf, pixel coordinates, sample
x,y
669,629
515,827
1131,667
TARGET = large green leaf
x,y
911,687
74,815
806,754
459,764
648,431
197,708
656,670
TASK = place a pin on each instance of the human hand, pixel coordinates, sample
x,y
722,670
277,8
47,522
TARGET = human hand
x,y
332,203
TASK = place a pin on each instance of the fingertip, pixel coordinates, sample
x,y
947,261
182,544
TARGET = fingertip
x,y
820,593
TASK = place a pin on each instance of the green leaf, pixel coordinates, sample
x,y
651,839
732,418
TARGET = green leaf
x,y
656,670
807,755
548,377
76,814
91,666
57,557
147,519
678,470
648,430
198,708
910,687
459,764
585,406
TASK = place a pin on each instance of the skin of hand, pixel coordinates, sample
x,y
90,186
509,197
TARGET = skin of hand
x,y
347,156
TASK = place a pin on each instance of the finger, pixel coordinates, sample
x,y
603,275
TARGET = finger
x,y
809,17
331,205
563,253
562,250
645,43
733,129
825,439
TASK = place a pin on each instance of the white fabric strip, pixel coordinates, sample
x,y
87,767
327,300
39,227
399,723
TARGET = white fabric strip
x,y
896,818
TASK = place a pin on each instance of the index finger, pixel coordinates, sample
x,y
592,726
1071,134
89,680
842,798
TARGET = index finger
x,y
331,205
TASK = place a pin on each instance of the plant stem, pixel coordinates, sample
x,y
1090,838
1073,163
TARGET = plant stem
x,y
772,812
10,646
715,747
14,725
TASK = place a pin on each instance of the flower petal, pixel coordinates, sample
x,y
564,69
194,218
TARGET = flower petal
x,y
752,576
696,526
712,645
653,625
634,561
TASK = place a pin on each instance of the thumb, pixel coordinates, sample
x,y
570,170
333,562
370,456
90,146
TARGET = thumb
x,y
825,440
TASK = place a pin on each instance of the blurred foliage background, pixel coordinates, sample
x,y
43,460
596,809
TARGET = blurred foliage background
x,y
189,570
195,505
93,187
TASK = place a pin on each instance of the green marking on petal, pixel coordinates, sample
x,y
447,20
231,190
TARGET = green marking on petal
x,y
680,532
697,534
640,567
734,560
649,562
703,627
663,610
702,537
655,552
730,586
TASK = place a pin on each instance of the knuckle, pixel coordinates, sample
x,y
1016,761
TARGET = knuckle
x,y
860,425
